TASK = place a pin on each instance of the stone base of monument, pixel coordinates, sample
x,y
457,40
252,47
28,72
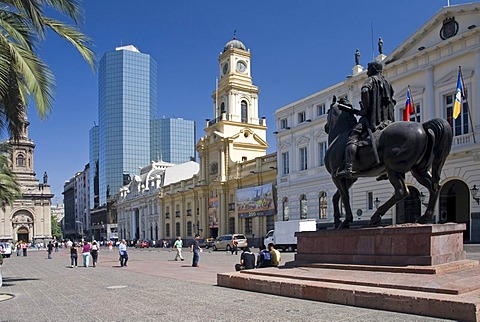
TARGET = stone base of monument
x,y
416,269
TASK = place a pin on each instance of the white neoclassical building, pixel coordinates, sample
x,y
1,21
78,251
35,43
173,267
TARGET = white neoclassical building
x,y
427,62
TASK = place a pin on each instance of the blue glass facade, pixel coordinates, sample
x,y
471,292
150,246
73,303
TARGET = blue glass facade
x,y
93,159
173,140
127,103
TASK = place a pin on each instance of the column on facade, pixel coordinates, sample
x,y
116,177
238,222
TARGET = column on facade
x,y
202,221
476,93
222,218
222,164
231,104
430,110
133,224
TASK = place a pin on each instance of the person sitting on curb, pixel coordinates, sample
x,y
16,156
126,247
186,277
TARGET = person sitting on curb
x,y
247,260
264,258
275,256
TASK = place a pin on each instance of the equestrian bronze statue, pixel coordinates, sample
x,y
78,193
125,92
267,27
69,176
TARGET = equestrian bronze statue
x,y
400,147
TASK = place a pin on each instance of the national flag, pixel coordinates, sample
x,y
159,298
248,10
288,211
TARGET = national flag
x,y
459,95
408,106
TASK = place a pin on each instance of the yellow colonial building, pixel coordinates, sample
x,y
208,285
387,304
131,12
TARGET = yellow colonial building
x,y
233,190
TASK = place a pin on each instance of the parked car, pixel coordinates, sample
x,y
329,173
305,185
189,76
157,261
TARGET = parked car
x,y
6,249
210,242
226,242
143,244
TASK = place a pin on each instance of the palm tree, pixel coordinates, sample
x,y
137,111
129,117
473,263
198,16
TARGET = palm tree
x,y
23,75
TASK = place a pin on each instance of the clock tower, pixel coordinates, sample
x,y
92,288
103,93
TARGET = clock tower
x,y
234,140
236,133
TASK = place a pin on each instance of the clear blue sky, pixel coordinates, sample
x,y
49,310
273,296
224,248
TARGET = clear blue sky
x,y
298,47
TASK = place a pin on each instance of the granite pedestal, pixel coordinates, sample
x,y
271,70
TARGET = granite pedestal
x,y
418,269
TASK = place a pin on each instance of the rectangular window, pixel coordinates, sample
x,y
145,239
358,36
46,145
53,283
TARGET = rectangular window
x,y
370,200
415,117
283,124
321,109
285,163
248,225
322,150
459,125
301,117
303,159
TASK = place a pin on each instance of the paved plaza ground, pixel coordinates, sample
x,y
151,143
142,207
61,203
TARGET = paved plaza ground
x,y
154,287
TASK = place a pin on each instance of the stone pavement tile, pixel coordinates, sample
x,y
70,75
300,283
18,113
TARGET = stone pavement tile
x,y
153,288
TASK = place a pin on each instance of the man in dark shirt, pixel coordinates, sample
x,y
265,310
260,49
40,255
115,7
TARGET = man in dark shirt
x,y
264,259
247,260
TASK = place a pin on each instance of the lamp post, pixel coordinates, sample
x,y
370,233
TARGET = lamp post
x,y
377,203
474,192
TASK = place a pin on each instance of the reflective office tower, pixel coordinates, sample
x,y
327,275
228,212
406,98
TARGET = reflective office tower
x,y
127,103
94,167
173,140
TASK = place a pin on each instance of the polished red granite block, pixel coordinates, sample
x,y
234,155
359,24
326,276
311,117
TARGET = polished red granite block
x,y
405,244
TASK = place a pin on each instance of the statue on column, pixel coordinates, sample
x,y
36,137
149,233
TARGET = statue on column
x,y
380,46
45,177
357,57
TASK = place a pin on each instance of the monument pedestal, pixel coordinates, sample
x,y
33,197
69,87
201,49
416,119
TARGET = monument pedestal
x,y
416,269
400,245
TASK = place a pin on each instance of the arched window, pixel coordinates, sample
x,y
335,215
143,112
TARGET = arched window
x,y
303,207
222,107
322,201
244,107
286,209
167,230
20,160
177,229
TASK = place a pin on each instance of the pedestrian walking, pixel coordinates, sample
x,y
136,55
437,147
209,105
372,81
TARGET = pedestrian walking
x,y
122,250
86,253
196,250
56,246
24,249
178,246
73,254
94,252
19,248
235,246
110,246
50,249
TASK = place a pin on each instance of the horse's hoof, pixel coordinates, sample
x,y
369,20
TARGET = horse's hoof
x,y
344,225
423,220
375,220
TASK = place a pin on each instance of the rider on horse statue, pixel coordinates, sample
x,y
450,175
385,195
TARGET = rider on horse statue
x,y
376,113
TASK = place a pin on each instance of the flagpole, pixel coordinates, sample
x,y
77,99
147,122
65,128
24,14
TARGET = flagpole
x,y
413,103
465,96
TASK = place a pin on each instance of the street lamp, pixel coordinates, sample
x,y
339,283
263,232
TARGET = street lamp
x,y
377,203
422,199
474,192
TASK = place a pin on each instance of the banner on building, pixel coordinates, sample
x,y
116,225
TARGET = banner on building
x,y
212,213
256,201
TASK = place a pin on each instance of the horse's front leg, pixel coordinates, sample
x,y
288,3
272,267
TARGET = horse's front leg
x,y
336,209
343,185
400,192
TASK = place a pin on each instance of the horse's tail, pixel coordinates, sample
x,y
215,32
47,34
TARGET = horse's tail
x,y
441,135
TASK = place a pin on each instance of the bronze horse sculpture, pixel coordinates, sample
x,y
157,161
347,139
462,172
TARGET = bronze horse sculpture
x,y
402,147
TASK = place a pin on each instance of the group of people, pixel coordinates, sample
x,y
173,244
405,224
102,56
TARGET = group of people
x,y
87,250
194,248
267,257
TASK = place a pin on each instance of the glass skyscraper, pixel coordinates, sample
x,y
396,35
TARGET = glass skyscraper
x,y
127,104
173,140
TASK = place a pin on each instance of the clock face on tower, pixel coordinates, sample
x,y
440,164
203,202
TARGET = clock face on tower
x,y
225,68
241,66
